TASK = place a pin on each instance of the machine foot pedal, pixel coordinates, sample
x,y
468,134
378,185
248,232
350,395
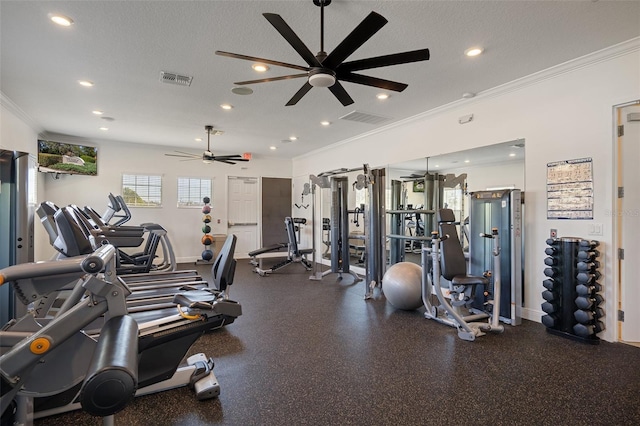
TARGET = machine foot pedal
x,y
203,381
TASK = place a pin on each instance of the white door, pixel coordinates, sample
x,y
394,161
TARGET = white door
x,y
628,217
243,213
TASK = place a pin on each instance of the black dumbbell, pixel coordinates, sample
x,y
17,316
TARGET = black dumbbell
x,y
552,272
549,284
549,296
588,290
588,302
588,266
586,316
550,320
550,251
588,278
552,241
589,244
550,261
588,255
550,308
586,330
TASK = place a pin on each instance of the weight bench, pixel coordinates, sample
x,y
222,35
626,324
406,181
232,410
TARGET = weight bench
x,y
274,250
294,253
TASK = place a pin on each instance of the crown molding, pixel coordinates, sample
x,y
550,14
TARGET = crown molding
x,y
603,55
13,108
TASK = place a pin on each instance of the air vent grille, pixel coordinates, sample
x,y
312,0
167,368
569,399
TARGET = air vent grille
x,y
364,117
173,78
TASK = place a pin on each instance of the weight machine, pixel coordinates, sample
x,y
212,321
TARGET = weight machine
x,y
339,235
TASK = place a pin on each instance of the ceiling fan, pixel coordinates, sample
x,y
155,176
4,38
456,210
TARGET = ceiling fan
x,y
207,156
328,70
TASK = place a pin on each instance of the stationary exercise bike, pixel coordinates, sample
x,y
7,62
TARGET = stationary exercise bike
x,y
448,261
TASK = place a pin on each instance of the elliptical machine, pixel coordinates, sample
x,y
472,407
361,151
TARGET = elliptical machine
x,y
447,259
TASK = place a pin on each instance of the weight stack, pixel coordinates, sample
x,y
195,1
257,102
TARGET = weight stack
x,y
570,269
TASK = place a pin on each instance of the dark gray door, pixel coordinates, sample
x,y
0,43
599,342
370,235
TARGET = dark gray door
x,y
276,205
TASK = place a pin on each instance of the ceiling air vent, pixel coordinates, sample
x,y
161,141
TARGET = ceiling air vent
x,y
363,117
173,78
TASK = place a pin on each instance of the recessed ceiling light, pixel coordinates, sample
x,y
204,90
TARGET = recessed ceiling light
x,y
436,166
85,83
513,154
104,129
63,21
273,148
242,90
97,112
473,51
293,138
259,67
325,123
382,96
226,106
467,161
198,139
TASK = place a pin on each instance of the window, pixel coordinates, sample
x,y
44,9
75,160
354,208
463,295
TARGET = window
x,y
142,190
191,191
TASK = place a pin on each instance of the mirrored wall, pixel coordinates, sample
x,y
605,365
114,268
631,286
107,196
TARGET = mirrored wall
x,y
424,185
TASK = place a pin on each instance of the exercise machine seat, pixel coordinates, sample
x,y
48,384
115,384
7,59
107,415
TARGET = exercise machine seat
x,y
452,260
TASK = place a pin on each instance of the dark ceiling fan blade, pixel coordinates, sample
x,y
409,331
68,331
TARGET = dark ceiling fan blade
x,y
179,155
300,93
265,80
236,157
261,60
292,38
339,92
372,81
223,161
363,32
385,60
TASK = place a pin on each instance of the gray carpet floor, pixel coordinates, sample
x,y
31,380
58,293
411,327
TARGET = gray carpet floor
x,y
316,353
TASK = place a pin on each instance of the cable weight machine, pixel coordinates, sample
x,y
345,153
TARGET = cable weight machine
x,y
373,214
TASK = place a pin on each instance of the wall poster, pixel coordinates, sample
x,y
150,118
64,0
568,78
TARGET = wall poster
x,y
570,189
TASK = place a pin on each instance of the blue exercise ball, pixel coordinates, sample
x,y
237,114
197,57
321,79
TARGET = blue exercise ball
x,y
402,286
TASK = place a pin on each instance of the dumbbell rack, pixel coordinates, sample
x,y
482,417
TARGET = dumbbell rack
x,y
572,293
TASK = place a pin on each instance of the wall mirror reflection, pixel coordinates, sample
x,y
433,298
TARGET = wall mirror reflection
x,y
416,189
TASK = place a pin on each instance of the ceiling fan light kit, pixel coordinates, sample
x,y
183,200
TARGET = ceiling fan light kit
x,y
328,70
322,79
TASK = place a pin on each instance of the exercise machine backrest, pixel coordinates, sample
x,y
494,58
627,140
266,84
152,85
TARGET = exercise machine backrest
x,y
291,234
224,267
71,240
452,260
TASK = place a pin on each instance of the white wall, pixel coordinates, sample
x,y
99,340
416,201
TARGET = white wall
x,y
182,224
562,113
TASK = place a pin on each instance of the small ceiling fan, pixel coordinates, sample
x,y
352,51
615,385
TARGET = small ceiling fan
x,y
327,70
207,156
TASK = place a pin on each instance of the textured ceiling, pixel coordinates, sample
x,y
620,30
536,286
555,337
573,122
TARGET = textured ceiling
x,y
124,45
